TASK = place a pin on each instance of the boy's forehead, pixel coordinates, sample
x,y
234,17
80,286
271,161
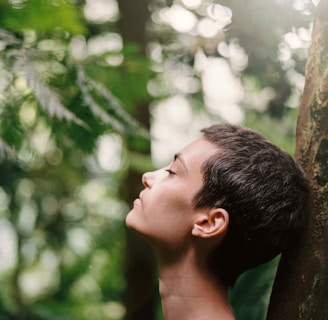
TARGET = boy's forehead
x,y
197,152
201,144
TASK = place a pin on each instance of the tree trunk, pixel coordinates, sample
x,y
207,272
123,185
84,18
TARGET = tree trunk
x,y
141,287
300,290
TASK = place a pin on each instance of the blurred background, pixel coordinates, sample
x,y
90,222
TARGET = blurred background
x,y
95,92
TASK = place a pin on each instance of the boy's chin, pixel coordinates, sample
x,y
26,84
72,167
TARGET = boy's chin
x,y
130,221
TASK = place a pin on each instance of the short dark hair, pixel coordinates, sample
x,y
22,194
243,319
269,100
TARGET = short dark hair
x,y
265,192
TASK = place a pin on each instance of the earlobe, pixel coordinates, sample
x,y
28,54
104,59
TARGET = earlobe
x,y
211,223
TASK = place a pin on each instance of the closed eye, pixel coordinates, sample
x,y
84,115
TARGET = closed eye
x,y
170,171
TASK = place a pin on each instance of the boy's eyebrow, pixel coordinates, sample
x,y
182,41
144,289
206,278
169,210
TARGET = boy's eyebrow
x,y
179,157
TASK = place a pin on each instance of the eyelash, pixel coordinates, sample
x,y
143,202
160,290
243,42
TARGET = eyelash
x,y
170,172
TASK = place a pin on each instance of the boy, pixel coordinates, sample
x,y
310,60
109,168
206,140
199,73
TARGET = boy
x,y
229,201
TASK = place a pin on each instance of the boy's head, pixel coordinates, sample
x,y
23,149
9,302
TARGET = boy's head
x,y
263,189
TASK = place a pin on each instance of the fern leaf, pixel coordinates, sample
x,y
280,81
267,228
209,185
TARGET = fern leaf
x,y
6,151
94,106
8,38
47,98
116,116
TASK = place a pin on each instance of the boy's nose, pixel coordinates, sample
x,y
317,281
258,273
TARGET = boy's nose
x,y
147,179
150,178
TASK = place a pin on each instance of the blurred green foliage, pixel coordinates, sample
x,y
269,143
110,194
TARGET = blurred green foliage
x,y
61,215
69,84
30,15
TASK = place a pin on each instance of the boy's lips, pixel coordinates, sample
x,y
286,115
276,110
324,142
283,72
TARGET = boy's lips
x,y
137,202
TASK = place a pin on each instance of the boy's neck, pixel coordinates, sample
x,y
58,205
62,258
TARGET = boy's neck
x,y
188,292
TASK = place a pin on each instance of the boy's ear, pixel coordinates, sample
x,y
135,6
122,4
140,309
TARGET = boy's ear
x,y
211,223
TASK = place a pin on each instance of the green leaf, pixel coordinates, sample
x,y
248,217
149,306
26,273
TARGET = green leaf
x,y
48,99
41,16
105,106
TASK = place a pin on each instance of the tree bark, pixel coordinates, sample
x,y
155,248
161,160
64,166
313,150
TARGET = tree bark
x,y
300,290
139,297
